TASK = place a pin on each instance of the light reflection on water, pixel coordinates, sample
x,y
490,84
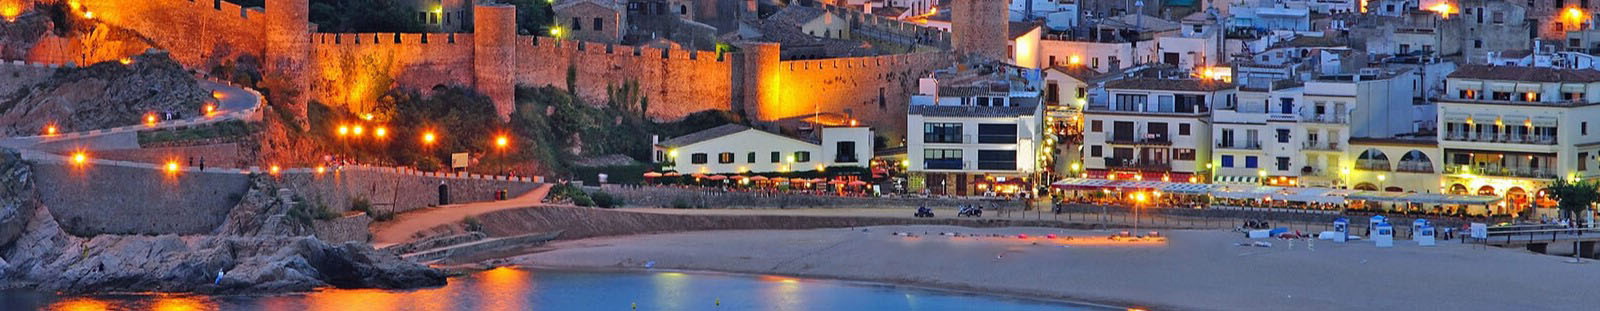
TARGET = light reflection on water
x,y
507,289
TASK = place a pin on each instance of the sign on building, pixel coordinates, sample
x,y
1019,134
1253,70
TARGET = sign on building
x,y
459,160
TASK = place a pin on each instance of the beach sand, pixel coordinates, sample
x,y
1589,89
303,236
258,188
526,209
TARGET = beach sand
x,y
1193,270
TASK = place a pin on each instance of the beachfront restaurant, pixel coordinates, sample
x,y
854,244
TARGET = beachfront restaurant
x,y
1223,196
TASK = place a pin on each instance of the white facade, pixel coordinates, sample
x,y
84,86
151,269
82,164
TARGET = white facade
x,y
1100,56
1153,129
744,150
969,141
1511,137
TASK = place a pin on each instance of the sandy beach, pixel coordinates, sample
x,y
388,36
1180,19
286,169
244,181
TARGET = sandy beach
x,y
1193,270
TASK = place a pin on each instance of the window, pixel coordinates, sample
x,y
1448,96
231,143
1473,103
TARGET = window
x,y
1469,94
941,159
845,152
1227,161
1499,17
577,24
1094,126
997,133
1083,92
802,156
1128,102
1505,96
683,9
725,157
750,157
1477,44
1183,129
1094,151
1583,128
1583,161
1282,163
949,133
1283,135
1183,154
777,156
1001,160
1250,162
698,158
1191,103
597,24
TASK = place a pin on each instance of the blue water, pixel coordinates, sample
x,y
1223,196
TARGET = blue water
x,y
515,289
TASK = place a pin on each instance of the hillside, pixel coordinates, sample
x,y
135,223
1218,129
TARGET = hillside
x,y
107,94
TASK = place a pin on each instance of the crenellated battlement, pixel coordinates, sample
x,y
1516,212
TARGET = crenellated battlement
x,y
337,39
864,62
576,47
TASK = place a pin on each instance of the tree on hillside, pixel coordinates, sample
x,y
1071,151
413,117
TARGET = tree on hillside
x,y
1574,197
346,16
534,17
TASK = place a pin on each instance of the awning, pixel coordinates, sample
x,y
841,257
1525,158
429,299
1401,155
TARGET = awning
x,y
1308,195
1140,185
1244,192
1238,180
1425,198
1188,188
1455,117
1544,121
1081,183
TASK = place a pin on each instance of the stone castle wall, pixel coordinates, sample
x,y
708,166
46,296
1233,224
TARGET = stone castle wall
x,y
197,33
678,82
875,90
346,67
396,191
147,201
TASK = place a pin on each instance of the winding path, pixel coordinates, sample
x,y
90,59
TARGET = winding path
x,y
406,224
236,103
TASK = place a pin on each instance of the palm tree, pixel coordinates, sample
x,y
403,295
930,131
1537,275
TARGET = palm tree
x,y
1573,197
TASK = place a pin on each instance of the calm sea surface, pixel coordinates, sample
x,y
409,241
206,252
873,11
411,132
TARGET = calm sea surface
x,y
516,289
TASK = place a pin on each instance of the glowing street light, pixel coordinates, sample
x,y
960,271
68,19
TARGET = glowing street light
x,y
367,116
427,138
211,109
172,167
321,169
344,130
150,119
273,170
50,130
356,130
79,158
502,141
125,61
380,132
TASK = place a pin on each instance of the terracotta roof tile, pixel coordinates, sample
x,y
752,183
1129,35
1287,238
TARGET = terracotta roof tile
x,y
1531,74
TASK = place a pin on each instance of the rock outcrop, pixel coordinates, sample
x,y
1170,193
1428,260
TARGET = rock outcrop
x,y
103,95
274,256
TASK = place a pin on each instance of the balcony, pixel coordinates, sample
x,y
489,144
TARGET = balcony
x,y
1506,171
1147,140
1327,118
1414,167
1246,145
1137,164
1314,145
1372,165
1503,138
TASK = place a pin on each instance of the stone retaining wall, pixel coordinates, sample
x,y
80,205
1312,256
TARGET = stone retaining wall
x,y
578,223
111,199
351,228
392,190
669,196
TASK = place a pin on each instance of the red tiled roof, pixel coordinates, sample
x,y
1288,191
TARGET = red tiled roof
x,y
1530,74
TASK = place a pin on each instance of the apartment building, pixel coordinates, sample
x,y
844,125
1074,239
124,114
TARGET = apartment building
x,y
1153,129
982,132
1509,131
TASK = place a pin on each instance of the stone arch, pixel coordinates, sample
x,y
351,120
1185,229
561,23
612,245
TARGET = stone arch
x,y
1416,161
1518,197
1366,186
1458,189
1373,159
1486,190
1393,189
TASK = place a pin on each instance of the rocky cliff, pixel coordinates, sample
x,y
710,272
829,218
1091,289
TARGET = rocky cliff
x,y
261,248
103,95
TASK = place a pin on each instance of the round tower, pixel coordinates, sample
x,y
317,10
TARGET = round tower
x,y
761,81
979,27
288,53
494,60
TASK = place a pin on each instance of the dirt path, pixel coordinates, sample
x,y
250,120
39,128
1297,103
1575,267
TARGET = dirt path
x,y
405,224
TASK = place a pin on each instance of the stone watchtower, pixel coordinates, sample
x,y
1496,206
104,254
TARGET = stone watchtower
x,y
760,79
288,34
978,27
494,55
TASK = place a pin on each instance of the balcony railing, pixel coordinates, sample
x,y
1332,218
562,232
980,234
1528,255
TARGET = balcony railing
x,y
1137,164
1325,118
1502,171
1414,167
1246,145
1499,138
1313,145
1372,165
1158,140
942,164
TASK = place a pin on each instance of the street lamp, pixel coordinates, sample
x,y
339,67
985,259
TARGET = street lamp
x,y
501,141
380,132
427,138
79,158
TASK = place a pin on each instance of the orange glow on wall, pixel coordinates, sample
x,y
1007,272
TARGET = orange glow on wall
x,y
1443,8
10,10
50,130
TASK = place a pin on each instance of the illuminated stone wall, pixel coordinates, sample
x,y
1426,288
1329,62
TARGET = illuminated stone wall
x,y
678,82
350,69
873,90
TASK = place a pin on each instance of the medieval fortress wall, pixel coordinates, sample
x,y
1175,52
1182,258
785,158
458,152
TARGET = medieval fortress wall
x,y
340,68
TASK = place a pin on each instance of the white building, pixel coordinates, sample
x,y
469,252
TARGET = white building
x,y
1264,15
1153,129
980,133
1509,131
1107,55
735,149
1057,14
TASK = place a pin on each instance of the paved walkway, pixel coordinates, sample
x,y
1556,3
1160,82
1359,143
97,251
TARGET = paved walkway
x,y
409,223
236,102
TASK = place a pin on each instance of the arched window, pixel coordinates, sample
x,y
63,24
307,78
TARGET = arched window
x,y
1372,159
1415,161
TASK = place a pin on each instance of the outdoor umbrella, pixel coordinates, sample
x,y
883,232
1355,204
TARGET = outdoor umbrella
x,y
716,177
651,175
779,180
671,174
759,178
858,183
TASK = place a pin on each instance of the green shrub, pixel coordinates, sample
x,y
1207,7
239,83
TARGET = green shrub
x,y
361,204
605,200
473,224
